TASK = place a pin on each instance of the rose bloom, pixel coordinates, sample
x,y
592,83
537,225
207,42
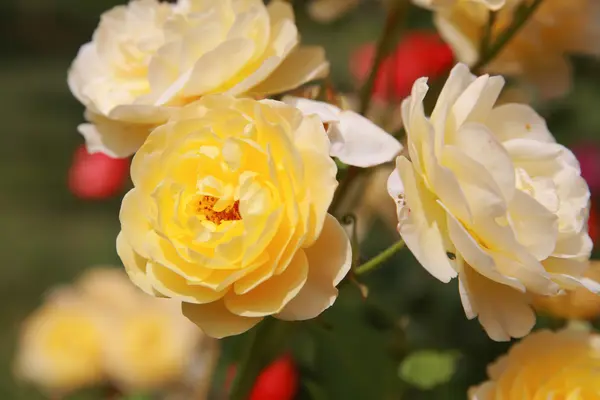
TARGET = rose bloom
x,y
228,214
578,304
149,57
538,52
151,347
546,365
60,346
490,197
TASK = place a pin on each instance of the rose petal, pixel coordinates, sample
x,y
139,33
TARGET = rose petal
x,y
330,259
503,312
215,320
271,296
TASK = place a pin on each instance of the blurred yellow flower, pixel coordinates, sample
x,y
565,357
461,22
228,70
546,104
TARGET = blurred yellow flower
x,y
104,329
537,54
151,347
149,57
329,10
577,304
61,344
490,197
229,215
546,365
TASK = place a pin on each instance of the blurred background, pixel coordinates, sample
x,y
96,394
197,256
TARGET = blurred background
x,y
49,235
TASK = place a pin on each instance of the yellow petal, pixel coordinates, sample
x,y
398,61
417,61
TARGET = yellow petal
x,y
330,259
271,296
215,320
135,265
172,285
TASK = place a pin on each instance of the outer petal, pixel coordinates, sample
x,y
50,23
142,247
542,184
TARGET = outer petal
x,y
325,111
135,265
421,230
303,65
271,296
113,138
364,143
503,312
518,121
330,259
216,320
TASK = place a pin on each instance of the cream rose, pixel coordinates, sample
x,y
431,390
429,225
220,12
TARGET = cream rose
x,y
229,215
490,197
148,57
545,365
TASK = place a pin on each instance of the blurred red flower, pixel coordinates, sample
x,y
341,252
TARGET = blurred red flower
x,y
96,176
278,381
588,155
418,54
593,225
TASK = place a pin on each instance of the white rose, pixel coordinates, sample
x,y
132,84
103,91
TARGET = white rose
x,y
490,197
148,57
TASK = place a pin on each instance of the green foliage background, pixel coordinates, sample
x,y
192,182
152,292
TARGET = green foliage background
x,y
47,236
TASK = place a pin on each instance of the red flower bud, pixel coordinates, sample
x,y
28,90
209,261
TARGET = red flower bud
x,y
278,381
96,176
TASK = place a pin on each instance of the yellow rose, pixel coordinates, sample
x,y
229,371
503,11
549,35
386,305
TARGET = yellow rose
x,y
151,347
538,52
577,304
60,347
229,215
148,57
546,365
490,197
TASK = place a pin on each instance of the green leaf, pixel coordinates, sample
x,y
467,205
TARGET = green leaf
x,y
426,369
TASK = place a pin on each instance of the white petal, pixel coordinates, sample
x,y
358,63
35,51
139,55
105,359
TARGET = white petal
x,y
503,312
325,111
364,143
423,226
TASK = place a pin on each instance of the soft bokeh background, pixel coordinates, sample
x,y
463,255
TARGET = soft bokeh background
x,y
47,236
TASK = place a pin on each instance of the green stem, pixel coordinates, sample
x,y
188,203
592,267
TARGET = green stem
x,y
506,35
486,39
265,343
392,23
379,259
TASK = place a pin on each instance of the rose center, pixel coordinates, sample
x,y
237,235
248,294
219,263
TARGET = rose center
x,y
206,206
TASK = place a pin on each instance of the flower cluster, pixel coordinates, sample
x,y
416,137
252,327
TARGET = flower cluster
x,y
102,329
233,214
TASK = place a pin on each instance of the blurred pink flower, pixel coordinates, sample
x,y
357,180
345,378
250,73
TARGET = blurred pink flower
x,y
588,155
